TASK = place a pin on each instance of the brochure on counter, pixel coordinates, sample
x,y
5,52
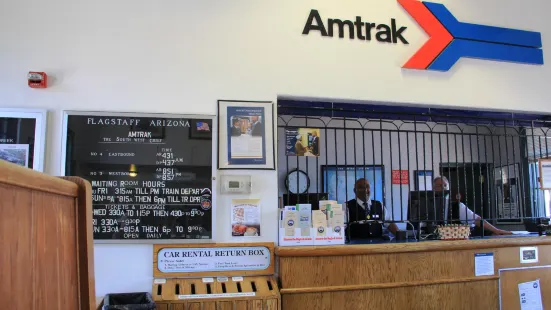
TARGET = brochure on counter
x,y
300,225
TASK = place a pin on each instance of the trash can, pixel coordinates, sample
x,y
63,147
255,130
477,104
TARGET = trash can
x,y
129,301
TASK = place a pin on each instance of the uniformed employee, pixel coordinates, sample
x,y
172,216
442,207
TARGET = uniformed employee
x,y
363,208
459,211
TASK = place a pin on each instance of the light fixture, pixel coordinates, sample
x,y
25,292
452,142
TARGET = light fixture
x,y
133,172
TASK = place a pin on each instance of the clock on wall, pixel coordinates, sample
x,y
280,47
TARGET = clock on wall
x,y
297,182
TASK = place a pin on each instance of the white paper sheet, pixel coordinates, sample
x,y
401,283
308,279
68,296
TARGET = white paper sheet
x,y
546,174
530,295
245,217
483,264
425,182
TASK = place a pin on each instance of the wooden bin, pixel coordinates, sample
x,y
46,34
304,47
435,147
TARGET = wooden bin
x,y
253,293
249,289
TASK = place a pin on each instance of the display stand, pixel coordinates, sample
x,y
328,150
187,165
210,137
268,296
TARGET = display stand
x,y
296,239
330,237
215,276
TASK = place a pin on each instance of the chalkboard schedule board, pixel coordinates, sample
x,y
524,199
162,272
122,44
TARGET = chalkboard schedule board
x,y
151,176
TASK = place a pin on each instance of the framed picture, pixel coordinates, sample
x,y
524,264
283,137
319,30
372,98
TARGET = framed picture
x,y
23,137
246,135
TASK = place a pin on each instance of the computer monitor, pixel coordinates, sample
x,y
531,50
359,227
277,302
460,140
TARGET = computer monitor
x,y
338,181
430,207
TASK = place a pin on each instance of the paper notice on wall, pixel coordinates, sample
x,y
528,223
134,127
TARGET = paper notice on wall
x,y
424,179
530,295
545,168
483,264
245,217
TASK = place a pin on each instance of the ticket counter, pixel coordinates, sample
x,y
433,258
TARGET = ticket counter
x,y
414,275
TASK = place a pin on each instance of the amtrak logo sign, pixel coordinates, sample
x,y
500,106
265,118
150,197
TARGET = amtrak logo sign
x,y
449,39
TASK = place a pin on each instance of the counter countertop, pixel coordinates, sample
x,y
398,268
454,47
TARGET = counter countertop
x,y
379,246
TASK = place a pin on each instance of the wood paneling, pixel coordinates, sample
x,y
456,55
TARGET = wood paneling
x,y
425,275
266,294
55,270
510,279
272,304
398,267
159,274
510,257
387,248
195,306
84,216
47,247
460,296
14,225
209,306
373,269
241,305
321,289
224,305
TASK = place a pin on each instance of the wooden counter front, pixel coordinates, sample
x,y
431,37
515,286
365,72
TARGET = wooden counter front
x,y
416,275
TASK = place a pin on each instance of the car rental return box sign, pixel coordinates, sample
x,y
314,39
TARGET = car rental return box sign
x,y
177,260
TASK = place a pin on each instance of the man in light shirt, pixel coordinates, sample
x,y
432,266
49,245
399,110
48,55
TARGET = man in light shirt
x,y
464,214
362,208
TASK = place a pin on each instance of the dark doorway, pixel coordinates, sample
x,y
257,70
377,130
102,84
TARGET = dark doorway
x,y
469,184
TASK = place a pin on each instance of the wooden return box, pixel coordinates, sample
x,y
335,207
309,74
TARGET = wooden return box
x,y
253,293
249,289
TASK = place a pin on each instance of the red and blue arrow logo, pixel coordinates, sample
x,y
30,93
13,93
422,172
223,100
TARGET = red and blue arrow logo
x,y
451,39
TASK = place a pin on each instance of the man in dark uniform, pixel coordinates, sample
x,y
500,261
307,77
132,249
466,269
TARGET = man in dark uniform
x,y
460,214
364,209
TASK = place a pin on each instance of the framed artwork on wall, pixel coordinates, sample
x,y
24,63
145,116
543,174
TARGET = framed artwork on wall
x,y
246,135
23,137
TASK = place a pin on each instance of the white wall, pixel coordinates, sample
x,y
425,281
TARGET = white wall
x,y
180,56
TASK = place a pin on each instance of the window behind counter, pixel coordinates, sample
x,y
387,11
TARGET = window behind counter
x,y
489,158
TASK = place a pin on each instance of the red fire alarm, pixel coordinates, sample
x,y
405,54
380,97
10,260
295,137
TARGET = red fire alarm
x,y
37,79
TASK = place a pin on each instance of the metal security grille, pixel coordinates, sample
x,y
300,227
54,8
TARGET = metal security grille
x,y
489,158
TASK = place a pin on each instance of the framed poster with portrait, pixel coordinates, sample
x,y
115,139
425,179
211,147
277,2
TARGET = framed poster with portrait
x,y
246,135
23,137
